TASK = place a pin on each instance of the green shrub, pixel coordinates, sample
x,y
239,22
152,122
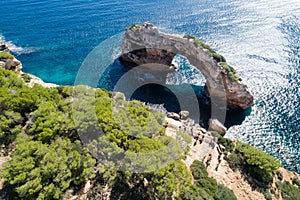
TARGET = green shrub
x,y
255,162
193,192
211,52
6,55
41,171
26,77
296,181
256,157
227,143
288,191
50,122
230,71
198,170
224,193
169,179
208,184
48,116
217,57
227,67
267,194
10,126
136,26
183,139
260,174
279,175
202,180
236,161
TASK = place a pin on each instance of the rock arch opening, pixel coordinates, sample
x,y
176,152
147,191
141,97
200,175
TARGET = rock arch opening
x,y
145,45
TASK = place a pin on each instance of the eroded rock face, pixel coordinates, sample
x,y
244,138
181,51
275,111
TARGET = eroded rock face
x,y
143,56
3,46
9,63
174,116
144,44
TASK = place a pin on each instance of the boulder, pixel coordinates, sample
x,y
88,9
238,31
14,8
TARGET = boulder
x,y
184,114
3,47
12,64
203,130
118,96
216,125
173,115
2,64
172,67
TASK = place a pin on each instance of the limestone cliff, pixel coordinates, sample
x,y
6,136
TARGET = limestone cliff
x,y
145,44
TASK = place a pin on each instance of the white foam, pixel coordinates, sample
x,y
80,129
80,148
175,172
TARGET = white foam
x,y
185,73
16,49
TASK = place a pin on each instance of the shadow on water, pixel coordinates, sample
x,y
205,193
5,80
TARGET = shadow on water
x,y
159,94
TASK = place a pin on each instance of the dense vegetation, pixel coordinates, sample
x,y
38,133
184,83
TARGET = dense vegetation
x,y
6,55
258,164
207,187
26,77
296,181
45,128
45,171
289,191
227,143
250,160
260,169
49,158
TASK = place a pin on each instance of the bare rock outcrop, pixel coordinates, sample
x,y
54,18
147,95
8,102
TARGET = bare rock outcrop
x,y
216,125
9,62
145,44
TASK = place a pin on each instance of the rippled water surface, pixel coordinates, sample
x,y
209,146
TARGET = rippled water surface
x,y
259,38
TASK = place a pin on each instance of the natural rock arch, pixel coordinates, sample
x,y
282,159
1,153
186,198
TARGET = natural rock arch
x,y
145,44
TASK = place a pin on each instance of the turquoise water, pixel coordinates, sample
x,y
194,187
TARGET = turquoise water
x,y
260,38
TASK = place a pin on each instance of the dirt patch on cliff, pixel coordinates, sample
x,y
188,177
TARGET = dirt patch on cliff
x,y
3,160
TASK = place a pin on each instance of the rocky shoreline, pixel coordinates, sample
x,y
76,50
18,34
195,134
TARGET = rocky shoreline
x,y
9,62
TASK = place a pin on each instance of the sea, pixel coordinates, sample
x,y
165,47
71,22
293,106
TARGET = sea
x,y
259,38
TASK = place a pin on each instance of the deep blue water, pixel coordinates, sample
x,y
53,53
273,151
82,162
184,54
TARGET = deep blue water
x,y
259,38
